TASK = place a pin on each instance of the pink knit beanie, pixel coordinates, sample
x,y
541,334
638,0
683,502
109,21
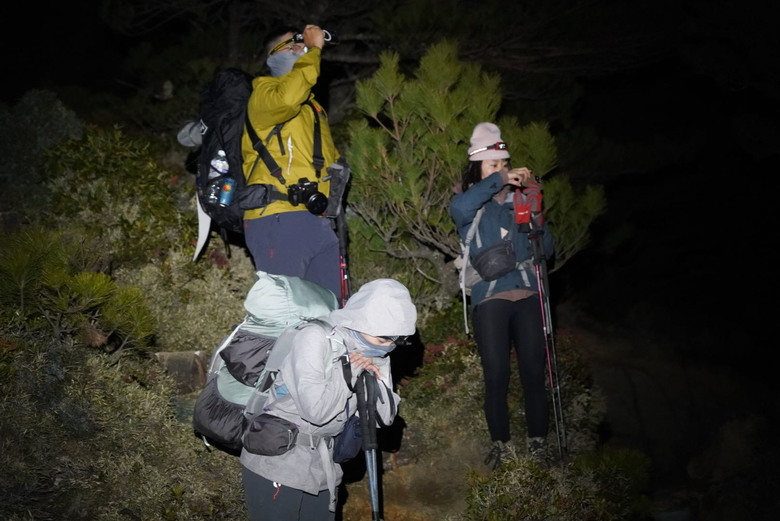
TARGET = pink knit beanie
x,y
486,143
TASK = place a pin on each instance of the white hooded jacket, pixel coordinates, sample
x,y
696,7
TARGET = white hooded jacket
x,y
312,393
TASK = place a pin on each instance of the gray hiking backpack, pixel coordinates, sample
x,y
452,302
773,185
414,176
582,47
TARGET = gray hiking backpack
x,y
246,361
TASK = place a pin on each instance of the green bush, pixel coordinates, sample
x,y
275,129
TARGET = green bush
x,y
522,489
109,185
196,303
83,438
43,285
87,434
606,485
28,129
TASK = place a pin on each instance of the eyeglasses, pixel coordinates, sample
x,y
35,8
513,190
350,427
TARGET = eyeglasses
x,y
394,339
289,45
496,146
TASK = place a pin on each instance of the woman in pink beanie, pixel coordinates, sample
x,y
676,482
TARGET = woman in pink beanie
x,y
505,303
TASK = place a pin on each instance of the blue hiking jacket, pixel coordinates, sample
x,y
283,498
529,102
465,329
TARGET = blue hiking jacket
x,y
463,209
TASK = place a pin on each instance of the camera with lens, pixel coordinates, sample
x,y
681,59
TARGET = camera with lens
x,y
306,192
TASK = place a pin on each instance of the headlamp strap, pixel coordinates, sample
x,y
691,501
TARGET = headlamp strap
x,y
495,146
281,45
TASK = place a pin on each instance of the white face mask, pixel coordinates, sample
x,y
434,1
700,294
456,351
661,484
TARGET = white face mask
x,y
282,62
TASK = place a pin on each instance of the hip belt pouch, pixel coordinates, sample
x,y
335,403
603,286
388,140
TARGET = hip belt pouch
x,y
253,196
495,261
348,443
269,435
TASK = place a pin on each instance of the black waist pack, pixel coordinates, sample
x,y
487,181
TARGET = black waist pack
x,y
269,435
495,261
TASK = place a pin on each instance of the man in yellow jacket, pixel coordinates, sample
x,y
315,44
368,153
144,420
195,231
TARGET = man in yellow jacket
x,y
290,235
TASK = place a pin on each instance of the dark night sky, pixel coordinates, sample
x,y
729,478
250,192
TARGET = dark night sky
x,y
63,44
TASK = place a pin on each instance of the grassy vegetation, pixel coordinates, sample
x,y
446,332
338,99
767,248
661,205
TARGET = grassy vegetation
x,y
96,276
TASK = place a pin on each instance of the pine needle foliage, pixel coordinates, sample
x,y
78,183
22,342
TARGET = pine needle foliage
x,y
42,285
126,315
88,429
88,425
195,304
406,158
407,155
571,213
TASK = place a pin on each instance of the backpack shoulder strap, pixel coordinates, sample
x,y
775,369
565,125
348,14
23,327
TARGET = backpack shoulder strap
x,y
338,351
467,259
317,159
262,151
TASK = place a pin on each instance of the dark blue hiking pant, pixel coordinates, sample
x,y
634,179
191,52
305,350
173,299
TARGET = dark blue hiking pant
x,y
498,326
298,244
269,501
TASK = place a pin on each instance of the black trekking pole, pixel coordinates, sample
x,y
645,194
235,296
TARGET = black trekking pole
x,y
366,396
540,266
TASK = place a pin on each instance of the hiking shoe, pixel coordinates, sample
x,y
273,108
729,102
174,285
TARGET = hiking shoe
x,y
500,452
537,449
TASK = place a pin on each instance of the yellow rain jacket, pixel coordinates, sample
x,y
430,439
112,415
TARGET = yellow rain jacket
x,y
281,100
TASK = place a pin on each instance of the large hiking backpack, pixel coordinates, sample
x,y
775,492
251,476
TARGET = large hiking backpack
x,y
223,105
246,362
222,194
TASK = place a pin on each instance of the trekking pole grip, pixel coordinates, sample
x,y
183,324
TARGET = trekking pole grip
x,y
360,393
371,397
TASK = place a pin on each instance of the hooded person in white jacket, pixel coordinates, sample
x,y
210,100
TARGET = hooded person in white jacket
x,y
311,392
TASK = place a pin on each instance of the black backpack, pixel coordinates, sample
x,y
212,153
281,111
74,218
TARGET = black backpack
x,y
221,191
220,185
222,113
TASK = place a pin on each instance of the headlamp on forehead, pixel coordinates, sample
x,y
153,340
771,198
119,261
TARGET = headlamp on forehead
x,y
496,146
290,42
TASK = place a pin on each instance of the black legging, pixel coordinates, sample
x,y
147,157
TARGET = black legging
x,y
499,324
